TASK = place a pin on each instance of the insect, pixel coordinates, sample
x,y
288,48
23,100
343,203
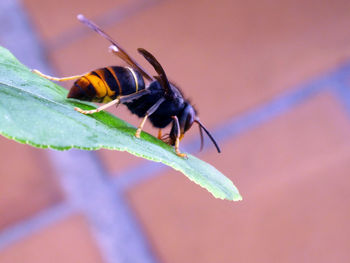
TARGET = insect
x,y
160,101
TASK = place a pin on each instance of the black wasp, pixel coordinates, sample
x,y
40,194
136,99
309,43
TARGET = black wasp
x,y
160,101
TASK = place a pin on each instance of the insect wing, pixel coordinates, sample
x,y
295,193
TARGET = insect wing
x,y
115,48
162,78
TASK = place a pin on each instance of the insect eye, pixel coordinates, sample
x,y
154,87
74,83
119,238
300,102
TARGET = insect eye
x,y
189,115
189,120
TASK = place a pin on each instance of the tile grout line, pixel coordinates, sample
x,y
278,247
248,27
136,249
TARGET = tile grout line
x,y
91,191
30,226
342,93
15,17
88,188
237,125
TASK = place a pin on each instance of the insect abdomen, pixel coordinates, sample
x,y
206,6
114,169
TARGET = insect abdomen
x,y
105,84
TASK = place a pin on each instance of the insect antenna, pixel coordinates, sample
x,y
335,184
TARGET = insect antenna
x,y
202,138
209,135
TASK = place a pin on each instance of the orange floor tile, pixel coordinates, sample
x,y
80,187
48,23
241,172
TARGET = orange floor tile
x,y
27,183
66,241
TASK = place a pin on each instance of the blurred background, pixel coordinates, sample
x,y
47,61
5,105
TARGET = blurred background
x,y
270,79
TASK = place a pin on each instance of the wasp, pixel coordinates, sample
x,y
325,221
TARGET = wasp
x,y
161,101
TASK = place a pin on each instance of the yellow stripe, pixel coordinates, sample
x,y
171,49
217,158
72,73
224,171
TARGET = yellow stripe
x,y
135,78
101,74
116,78
106,99
98,84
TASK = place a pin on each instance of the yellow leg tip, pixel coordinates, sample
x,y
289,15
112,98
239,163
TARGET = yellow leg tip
x,y
137,134
85,111
78,110
159,134
182,155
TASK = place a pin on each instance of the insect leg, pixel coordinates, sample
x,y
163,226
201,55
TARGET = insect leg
x,y
148,113
159,134
177,134
120,99
103,107
133,96
54,78
139,129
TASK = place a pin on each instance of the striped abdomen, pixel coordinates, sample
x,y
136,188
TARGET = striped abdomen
x,y
106,84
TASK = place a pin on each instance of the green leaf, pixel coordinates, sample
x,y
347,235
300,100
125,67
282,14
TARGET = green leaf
x,y
36,111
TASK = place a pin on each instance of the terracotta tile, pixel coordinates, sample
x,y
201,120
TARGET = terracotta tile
x,y
227,57
52,18
293,174
27,182
66,241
